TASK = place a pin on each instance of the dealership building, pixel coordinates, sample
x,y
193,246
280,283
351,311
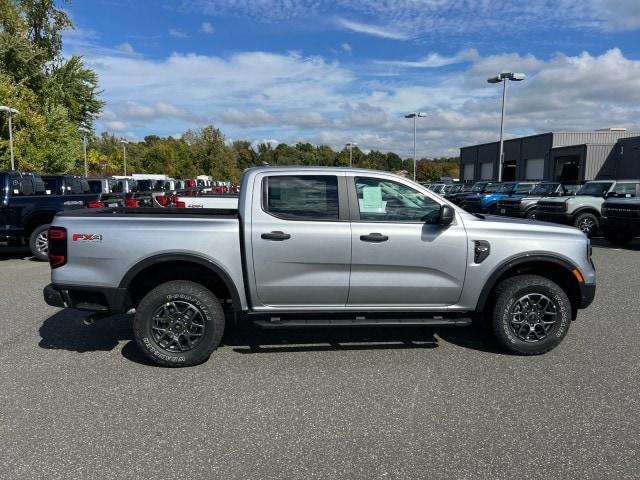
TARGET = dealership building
x,y
557,156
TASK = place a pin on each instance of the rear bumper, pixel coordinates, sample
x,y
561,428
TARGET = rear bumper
x,y
555,217
92,299
587,294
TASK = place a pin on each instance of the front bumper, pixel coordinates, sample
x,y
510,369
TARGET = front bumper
x,y
616,223
92,299
555,217
587,294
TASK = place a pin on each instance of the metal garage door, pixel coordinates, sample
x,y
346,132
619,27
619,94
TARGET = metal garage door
x,y
534,169
486,171
467,173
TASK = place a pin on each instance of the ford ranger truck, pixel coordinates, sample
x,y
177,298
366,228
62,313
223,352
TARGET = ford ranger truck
x,y
524,205
319,247
583,210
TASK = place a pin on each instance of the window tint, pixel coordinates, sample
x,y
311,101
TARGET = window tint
x,y
95,186
625,190
305,197
382,200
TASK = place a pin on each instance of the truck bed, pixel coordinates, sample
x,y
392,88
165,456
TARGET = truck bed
x,y
151,212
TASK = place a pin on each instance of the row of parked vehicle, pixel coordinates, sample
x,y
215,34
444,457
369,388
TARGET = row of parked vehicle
x,y
611,207
28,201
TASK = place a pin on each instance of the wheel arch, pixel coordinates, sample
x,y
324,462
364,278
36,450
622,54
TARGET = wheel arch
x,y
153,271
553,267
588,209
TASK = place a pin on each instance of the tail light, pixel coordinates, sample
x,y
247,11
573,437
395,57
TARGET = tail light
x,y
162,200
94,204
131,202
57,246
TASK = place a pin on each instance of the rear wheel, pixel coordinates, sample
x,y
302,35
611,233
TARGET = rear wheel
x,y
39,243
531,315
531,214
588,223
618,236
179,324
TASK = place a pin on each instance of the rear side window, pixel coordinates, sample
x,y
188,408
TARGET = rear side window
x,y
625,190
304,197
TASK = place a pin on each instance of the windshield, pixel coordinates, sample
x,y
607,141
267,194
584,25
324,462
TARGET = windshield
x,y
506,187
452,188
594,189
544,189
478,187
524,188
492,187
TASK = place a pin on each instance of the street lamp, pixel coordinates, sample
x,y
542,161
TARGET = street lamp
x,y
124,154
350,145
415,116
84,149
503,78
10,111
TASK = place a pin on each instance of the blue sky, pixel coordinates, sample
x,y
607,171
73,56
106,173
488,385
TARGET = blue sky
x,y
338,71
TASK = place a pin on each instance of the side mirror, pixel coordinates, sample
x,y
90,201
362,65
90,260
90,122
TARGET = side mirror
x,y
447,214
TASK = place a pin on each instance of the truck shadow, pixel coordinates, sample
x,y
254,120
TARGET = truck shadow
x,y
15,253
66,330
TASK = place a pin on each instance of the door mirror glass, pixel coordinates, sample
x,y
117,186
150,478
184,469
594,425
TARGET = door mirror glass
x,y
447,214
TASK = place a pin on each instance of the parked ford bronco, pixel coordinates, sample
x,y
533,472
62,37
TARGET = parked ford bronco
x,y
583,210
324,247
621,219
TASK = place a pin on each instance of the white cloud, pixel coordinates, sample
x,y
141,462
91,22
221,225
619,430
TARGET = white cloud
x,y
257,95
126,48
374,30
206,27
346,47
177,33
433,60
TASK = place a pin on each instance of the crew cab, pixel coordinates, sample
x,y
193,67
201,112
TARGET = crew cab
x,y
583,210
488,202
524,206
319,247
26,210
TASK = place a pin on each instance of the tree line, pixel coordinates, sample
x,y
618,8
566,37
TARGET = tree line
x,y
59,99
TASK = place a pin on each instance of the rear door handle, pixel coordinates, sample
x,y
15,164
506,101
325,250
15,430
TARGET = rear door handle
x,y
374,237
277,236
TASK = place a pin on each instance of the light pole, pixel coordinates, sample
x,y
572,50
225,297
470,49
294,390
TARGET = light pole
x,y
504,77
84,149
10,111
124,154
351,145
415,116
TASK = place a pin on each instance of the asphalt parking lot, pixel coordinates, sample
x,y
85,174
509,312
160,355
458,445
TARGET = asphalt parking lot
x,y
79,401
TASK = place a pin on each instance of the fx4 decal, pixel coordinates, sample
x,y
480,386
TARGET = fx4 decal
x,y
86,237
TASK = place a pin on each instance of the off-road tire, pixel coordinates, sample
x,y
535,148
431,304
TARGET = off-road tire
x,y
508,292
618,237
180,291
587,217
531,214
39,252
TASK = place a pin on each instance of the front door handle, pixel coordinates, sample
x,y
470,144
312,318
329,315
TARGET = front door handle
x,y
277,236
374,237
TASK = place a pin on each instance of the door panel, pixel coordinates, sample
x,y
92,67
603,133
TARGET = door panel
x,y
301,262
419,263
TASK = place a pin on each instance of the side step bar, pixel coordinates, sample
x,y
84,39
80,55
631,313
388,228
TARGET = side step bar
x,y
437,321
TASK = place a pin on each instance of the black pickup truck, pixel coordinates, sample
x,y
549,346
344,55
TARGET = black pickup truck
x,y
26,209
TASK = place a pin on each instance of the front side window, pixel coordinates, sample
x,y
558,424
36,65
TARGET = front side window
x,y
506,187
624,190
544,189
304,197
524,188
381,200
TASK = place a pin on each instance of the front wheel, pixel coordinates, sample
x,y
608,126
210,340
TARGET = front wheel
x,y
531,214
618,236
588,223
39,242
531,315
179,324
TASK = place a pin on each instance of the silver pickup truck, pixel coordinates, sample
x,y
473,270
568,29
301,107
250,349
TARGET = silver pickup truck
x,y
326,247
